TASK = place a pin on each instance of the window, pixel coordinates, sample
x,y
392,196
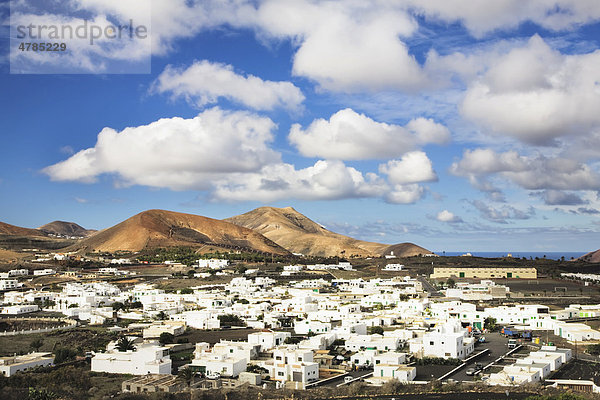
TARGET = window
x,y
280,373
431,343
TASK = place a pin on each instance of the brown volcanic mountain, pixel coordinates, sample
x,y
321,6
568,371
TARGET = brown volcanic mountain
x,y
159,228
7,229
405,250
62,228
298,234
592,256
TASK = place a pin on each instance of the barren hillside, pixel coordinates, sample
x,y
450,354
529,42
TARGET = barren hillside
x,y
159,228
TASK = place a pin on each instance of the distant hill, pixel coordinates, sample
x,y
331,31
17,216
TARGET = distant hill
x,y
299,234
7,229
159,228
69,229
405,250
592,256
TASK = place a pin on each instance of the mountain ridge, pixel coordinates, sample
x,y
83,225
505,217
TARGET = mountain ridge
x,y
299,234
161,228
64,228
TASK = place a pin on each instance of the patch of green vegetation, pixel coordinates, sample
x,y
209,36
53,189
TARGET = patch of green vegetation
x,y
437,361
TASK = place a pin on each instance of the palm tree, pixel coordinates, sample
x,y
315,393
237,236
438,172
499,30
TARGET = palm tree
x,y
187,375
162,316
125,344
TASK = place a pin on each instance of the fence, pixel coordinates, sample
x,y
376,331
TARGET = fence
x,y
70,323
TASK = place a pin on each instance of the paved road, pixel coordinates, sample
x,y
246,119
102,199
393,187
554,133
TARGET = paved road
x,y
340,380
429,288
496,345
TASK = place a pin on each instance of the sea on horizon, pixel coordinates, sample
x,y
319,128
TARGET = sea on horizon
x,y
553,255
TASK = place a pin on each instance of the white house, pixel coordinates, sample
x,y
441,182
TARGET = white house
x,y
372,342
306,326
201,319
449,340
9,284
47,271
268,340
147,358
402,373
293,364
575,331
213,263
20,309
515,375
393,267
224,364
11,365
175,328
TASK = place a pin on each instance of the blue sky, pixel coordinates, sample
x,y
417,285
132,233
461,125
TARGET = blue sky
x,y
457,125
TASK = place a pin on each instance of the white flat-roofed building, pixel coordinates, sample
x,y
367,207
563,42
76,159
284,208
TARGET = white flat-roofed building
x,y
175,328
147,358
9,284
227,358
393,267
293,364
403,373
11,365
213,263
449,340
20,309
484,272
200,319
575,331
268,340
372,342
305,327
515,375
41,272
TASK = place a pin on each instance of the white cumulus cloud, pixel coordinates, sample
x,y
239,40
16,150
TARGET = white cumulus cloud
x,y
204,82
325,180
447,216
176,153
528,172
536,95
413,167
348,135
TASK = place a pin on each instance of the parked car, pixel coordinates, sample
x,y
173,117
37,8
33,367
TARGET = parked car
x,y
512,343
213,375
470,371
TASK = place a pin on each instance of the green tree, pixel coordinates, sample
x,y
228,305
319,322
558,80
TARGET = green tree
x,y
40,394
594,349
231,320
36,344
376,330
490,324
450,283
125,344
63,354
162,316
166,338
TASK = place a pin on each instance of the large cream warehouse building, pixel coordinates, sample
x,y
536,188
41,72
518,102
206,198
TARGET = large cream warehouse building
x,y
486,273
